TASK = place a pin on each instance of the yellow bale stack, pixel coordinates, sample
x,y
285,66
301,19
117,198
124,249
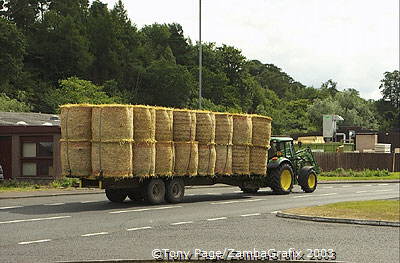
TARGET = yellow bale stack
x,y
223,141
242,140
261,135
205,136
75,140
184,126
144,134
112,133
165,152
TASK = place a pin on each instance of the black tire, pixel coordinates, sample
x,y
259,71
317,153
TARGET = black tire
x,y
174,190
249,190
116,195
308,182
280,181
154,191
135,195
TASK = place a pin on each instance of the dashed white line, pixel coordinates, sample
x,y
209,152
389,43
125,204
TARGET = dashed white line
x,y
275,212
360,192
94,234
346,186
383,184
387,190
255,214
10,207
35,241
55,204
327,194
212,193
86,202
216,218
238,191
368,185
34,219
182,223
327,187
236,201
139,228
144,209
301,196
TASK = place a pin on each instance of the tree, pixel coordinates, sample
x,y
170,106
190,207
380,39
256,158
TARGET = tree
x,y
12,105
390,88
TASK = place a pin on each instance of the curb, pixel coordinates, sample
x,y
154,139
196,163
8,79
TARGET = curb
x,y
359,181
50,195
339,220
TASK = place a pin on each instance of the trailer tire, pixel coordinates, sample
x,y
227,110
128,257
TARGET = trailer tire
x,y
116,195
249,190
154,191
174,190
135,195
281,179
308,181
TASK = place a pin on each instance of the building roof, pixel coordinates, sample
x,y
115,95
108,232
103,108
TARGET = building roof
x,y
28,119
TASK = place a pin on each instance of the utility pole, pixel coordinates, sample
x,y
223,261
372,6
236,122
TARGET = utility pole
x,y
200,56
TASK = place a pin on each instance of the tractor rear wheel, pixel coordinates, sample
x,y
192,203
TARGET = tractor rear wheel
x,y
116,195
282,179
308,181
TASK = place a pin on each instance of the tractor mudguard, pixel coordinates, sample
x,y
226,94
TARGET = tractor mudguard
x,y
275,164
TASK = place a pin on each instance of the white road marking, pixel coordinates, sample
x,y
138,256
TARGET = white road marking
x,y
55,204
368,185
139,228
328,194
182,223
235,201
94,234
86,202
36,241
255,214
212,193
383,184
34,219
346,186
327,187
216,218
238,191
10,207
275,212
144,209
301,196
360,192
382,190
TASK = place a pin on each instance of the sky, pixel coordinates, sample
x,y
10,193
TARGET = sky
x,y
352,42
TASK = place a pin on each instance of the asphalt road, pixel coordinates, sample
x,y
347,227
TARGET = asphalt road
x,y
88,227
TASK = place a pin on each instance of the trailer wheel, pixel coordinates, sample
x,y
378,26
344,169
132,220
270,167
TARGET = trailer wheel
x,y
282,179
308,182
135,195
155,191
116,195
174,190
249,190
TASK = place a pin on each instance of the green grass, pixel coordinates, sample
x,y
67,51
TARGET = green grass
x,y
14,185
387,210
341,174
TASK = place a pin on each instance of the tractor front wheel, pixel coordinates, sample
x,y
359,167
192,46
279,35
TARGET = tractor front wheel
x,y
282,179
308,181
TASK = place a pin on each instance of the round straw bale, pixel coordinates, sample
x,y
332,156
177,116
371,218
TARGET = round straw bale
x,y
261,130
205,127
76,122
184,125
241,159
112,123
164,120
242,129
164,158
223,163
144,123
223,128
144,155
207,158
186,158
113,159
76,157
258,160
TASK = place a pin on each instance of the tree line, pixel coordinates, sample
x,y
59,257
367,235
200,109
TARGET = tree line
x,y
70,51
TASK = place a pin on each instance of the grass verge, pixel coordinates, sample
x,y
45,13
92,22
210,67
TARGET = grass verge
x,y
386,210
14,185
341,174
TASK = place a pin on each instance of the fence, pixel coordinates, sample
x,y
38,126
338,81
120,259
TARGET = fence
x,y
358,161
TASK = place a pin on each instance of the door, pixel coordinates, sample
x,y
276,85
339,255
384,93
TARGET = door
x,y
5,156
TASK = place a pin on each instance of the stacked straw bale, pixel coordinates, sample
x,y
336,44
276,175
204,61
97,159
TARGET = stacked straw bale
x,y
184,126
165,151
205,136
207,159
242,140
223,141
143,148
261,135
112,133
75,140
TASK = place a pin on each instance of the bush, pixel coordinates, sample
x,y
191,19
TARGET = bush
x,y
65,182
340,172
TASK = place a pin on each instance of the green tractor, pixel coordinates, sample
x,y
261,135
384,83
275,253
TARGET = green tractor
x,y
287,167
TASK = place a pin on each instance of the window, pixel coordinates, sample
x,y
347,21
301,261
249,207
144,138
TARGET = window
x,y
37,156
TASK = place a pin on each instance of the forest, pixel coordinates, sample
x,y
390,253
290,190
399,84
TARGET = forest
x,y
75,51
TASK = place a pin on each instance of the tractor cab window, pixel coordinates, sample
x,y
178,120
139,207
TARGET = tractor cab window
x,y
289,149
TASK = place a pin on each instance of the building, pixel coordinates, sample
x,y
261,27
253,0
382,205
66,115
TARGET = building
x,y
29,146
